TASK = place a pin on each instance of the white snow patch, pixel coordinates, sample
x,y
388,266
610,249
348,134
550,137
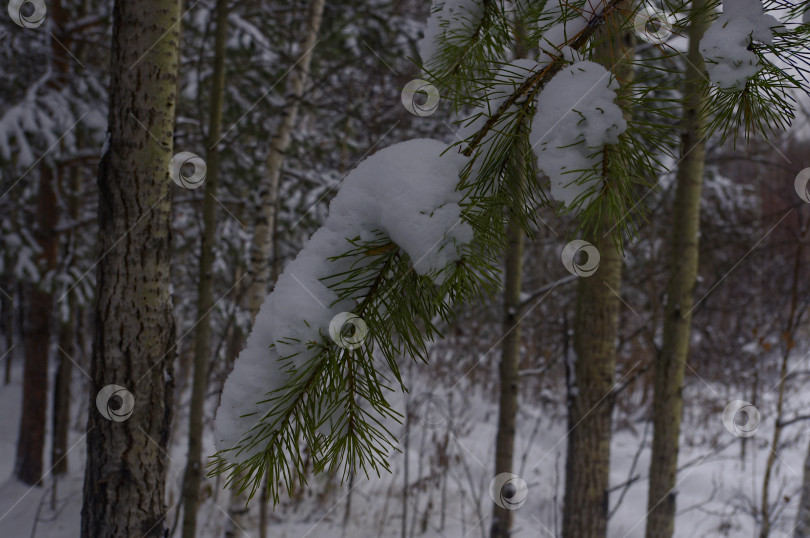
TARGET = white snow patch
x,y
725,46
576,116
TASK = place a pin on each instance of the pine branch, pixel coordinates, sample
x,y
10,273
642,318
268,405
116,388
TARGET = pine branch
x,y
536,82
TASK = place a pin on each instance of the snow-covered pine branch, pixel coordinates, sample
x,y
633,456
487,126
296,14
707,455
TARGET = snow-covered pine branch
x,y
390,248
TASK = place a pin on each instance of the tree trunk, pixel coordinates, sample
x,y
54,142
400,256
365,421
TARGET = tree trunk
x,y
205,286
134,343
803,513
509,378
510,346
261,252
61,394
31,441
67,337
669,369
591,403
590,399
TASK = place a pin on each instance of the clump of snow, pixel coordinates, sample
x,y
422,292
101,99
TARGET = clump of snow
x,y
725,46
576,116
406,191
451,21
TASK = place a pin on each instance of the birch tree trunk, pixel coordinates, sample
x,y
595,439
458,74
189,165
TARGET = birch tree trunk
x,y
669,369
134,343
590,399
205,286
261,252
509,378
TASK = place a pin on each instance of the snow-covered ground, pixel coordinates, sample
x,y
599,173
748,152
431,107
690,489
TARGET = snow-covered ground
x,y
717,490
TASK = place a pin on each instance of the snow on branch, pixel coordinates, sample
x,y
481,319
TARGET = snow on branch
x,y
576,117
400,201
727,44
534,83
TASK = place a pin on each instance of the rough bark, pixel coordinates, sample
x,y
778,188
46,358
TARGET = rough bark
x,y
134,339
669,368
591,404
590,399
205,286
261,251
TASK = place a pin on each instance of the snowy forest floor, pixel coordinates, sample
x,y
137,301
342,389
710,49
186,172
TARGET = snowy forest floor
x,y
719,486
